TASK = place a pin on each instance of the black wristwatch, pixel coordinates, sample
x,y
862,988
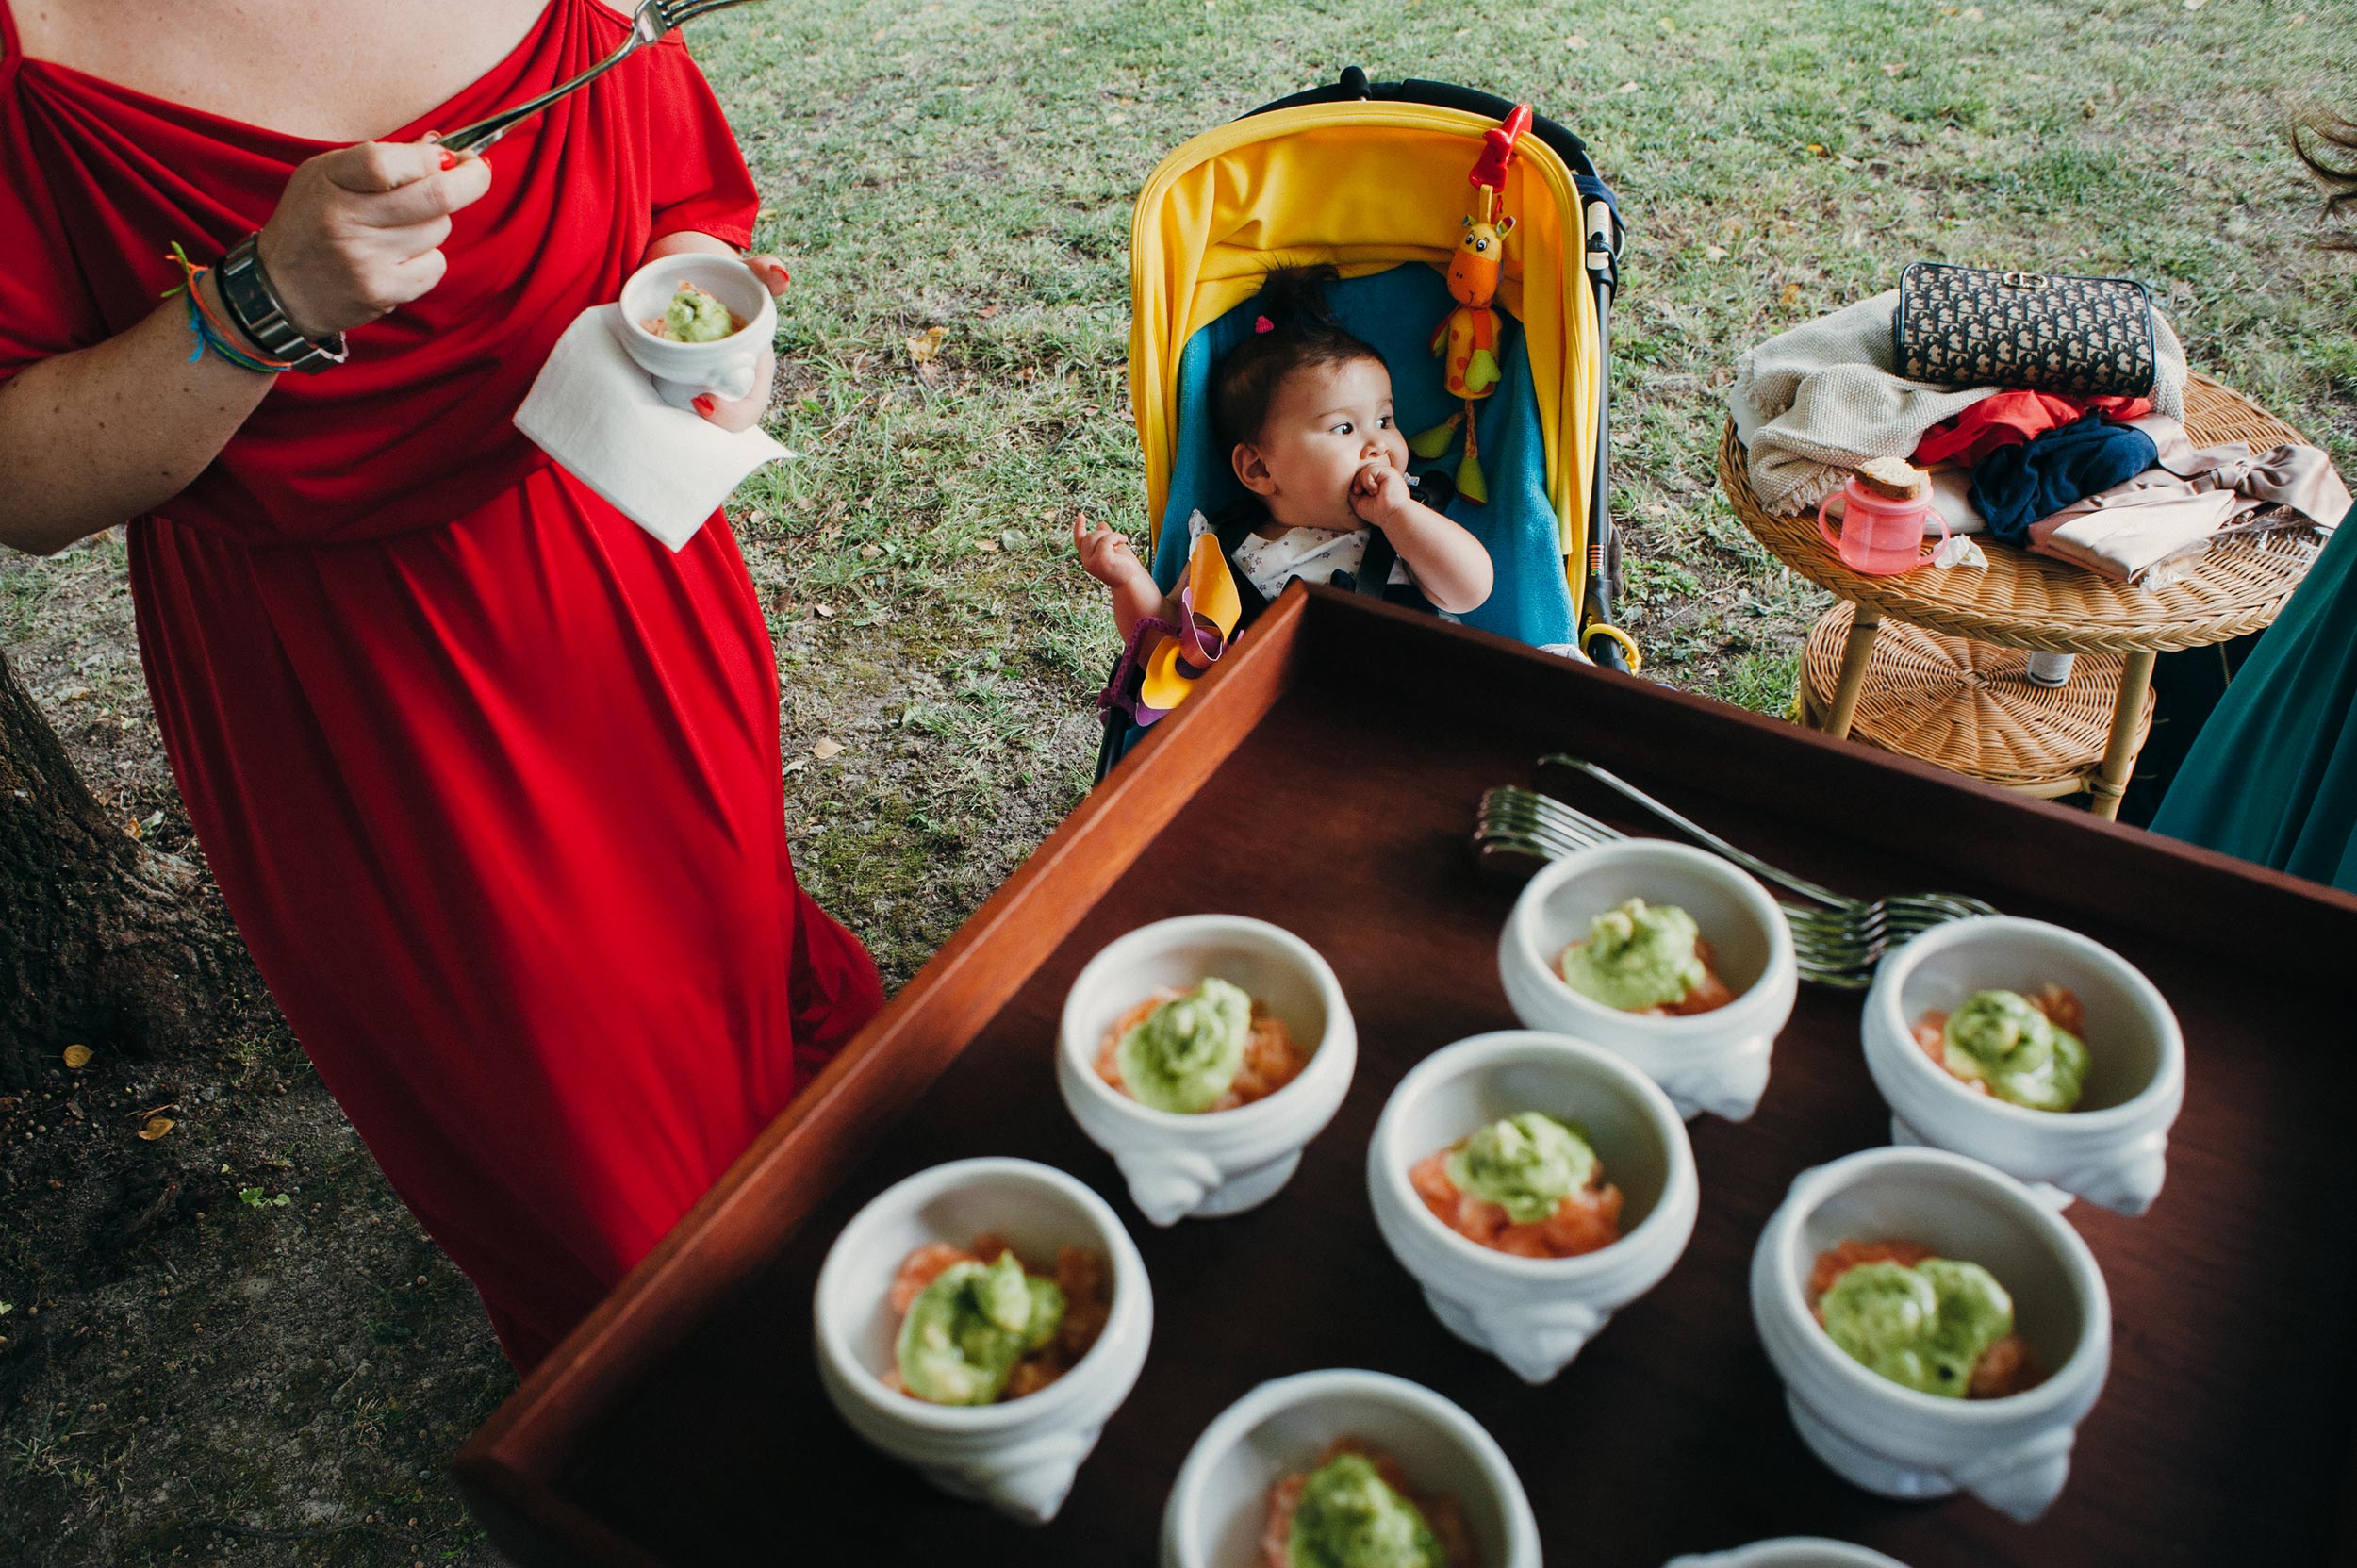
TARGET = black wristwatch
x,y
254,306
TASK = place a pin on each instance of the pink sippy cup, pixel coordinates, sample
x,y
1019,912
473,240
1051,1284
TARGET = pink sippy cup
x,y
1879,536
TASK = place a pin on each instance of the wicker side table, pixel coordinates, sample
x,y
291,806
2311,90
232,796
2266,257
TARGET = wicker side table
x,y
2024,601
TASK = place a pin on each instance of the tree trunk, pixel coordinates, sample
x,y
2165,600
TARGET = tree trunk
x,y
103,941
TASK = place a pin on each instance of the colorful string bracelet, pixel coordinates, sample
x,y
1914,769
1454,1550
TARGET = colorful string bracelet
x,y
209,330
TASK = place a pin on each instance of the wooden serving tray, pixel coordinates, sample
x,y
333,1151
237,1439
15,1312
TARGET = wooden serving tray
x,y
1324,778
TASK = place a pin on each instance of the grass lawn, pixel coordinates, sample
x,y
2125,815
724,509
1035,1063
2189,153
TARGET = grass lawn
x,y
218,1378
971,167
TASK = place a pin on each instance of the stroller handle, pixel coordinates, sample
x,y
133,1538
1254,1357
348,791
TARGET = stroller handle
x,y
1354,87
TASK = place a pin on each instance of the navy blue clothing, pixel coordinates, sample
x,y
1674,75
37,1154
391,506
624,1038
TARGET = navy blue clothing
x,y
2016,486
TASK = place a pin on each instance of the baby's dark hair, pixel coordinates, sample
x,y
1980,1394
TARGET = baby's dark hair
x,y
1302,333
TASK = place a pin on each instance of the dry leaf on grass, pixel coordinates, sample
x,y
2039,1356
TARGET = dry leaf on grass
x,y
1575,42
78,1056
1716,253
156,1126
824,612
826,749
870,551
986,545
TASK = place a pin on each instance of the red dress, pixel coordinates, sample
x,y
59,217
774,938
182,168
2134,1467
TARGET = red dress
x,y
489,778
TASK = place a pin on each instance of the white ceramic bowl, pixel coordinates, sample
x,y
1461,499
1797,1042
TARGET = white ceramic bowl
x,y
1218,1162
684,371
1219,1504
2013,1453
2112,1151
1020,1456
1533,1313
1715,1061
1790,1551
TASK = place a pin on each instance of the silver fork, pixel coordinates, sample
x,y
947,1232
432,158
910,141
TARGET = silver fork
x,y
1528,822
649,22
1509,809
1954,906
1826,952
1834,947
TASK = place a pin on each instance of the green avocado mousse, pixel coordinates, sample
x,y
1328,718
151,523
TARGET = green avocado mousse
x,y
1637,957
695,317
965,1331
1349,1517
1187,1052
1923,1326
2002,1042
1528,1164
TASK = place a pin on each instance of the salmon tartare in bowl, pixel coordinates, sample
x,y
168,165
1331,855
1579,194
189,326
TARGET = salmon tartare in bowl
x,y
1203,1053
1663,954
981,1320
1533,1185
1314,1467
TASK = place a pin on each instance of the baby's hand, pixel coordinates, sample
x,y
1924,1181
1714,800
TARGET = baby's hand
x,y
1378,492
1105,553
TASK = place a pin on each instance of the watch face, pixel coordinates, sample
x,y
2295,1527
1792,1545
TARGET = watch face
x,y
245,289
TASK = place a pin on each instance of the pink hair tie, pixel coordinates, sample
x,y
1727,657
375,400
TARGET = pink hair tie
x,y
1261,323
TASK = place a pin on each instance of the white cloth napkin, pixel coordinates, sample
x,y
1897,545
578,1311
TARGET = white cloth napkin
x,y
597,414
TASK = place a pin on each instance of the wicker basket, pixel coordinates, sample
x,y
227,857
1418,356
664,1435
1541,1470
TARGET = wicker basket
x,y
1971,708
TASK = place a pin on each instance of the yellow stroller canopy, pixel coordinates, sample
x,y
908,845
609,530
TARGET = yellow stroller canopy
x,y
1366,184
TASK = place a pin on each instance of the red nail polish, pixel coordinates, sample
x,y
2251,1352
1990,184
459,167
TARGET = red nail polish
x,y
450,160
704,405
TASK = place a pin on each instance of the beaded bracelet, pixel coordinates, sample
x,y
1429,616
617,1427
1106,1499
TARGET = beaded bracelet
x,y
209,330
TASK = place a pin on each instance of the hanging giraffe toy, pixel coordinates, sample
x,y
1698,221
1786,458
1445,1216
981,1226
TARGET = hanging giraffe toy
x,y
1467,339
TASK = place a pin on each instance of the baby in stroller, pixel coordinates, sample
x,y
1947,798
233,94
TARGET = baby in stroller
x,y
1305,408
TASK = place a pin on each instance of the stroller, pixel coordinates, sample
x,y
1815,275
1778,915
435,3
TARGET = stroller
x,y
1369,177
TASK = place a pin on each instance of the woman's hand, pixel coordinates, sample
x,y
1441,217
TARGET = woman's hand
x,y
745,412
359,231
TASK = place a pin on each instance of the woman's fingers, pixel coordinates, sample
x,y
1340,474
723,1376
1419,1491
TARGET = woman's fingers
x,y
433,195
743,413
771,272
416,275
368,168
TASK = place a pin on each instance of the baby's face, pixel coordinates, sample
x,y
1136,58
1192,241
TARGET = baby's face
x,y
1326,423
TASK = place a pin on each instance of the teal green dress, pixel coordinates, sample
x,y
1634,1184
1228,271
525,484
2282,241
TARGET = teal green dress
x,y
2273,775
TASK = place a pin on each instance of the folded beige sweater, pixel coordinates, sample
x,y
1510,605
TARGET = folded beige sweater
x,y
1812,403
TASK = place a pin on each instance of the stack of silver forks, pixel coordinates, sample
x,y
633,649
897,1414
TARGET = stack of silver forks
x,y
1836,940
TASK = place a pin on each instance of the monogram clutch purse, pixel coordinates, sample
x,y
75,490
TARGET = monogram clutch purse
x,y
1969,327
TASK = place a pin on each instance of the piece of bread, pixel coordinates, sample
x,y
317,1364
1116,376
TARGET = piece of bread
x,y
1894,479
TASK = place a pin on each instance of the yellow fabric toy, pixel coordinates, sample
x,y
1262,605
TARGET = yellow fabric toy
x,y
1467,340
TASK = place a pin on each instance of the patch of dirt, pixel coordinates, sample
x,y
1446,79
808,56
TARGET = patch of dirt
x,y
231,1344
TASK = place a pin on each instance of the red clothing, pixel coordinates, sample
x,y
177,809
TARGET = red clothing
x,y
2009,418
489,778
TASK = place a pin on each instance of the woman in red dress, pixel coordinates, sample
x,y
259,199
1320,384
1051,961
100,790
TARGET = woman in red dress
x,y
489,778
